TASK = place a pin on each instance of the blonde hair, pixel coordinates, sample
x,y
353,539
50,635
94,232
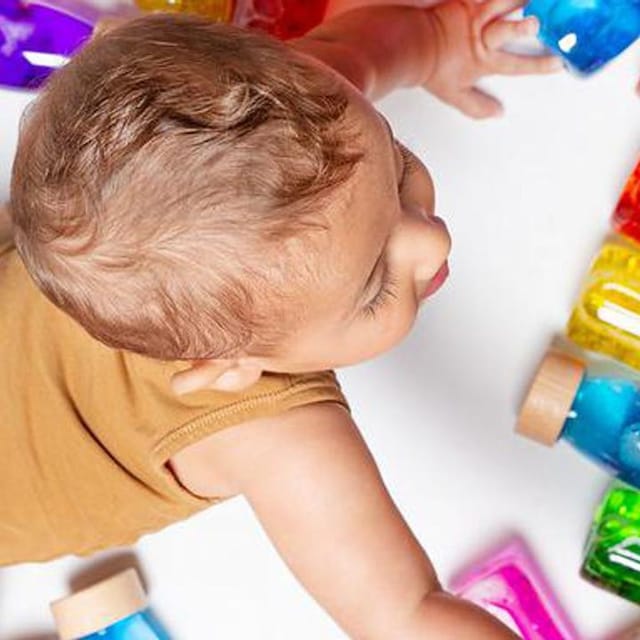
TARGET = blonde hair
x,y
160,171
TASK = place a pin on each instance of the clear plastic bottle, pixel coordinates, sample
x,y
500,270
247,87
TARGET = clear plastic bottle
x,y
587,34
114,609
509,584
612,555
591,402
36,39
606,318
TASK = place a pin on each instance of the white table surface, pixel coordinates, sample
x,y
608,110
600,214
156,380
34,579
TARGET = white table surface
x,y
527,199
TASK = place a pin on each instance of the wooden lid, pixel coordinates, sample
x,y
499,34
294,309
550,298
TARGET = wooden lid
x,y
99,606
550,397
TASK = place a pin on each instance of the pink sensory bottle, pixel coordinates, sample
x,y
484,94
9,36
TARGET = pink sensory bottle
x,y
509,584
626,217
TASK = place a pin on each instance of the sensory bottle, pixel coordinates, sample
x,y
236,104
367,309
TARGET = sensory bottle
x,y
281,18
586,34
626,217
35,40
606,318
510,585
591,402
612,555
114,609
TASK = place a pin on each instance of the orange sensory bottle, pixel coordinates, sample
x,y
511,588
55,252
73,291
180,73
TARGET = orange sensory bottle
x,y
281,18
626,217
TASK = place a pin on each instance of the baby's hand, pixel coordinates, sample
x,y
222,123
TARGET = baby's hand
x,y
471,36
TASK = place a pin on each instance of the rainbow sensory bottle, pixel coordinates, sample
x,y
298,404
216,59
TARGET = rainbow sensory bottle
x,y
591,402
612,556
114,609
510,585
36,39
626,217
281,18
606,318
586,34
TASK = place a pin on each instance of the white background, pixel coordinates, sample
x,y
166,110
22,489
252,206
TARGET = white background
x,y
527,199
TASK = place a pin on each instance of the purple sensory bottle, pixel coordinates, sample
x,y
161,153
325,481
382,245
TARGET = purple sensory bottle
x,y
36,39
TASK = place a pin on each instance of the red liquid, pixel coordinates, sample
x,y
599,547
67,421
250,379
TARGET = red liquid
x,y
626,217
282,18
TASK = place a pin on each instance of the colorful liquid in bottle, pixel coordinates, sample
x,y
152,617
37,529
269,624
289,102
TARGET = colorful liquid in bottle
x,y
587,34
35,40
626,217
140,626
606,318
604,424
612,558
510,584
281,18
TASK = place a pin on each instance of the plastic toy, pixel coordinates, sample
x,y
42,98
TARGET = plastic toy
x,y
587,34
591,402
606,318
612,557
282,18
510,584
114,609
626,217
35,40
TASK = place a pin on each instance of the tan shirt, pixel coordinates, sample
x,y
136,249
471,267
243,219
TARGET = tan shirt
x,y
86,431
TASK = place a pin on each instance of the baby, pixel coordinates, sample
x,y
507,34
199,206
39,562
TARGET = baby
x,y
208,221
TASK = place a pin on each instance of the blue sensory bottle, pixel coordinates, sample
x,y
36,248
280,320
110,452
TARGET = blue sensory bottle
x,y
591,402
114,609
586,33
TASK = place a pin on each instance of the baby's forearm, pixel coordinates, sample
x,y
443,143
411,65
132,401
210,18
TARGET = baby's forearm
x,y
445,617
378,48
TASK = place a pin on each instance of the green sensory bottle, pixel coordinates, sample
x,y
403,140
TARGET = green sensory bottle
x,y
612,557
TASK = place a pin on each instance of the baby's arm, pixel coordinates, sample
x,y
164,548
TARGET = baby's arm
x,y
446,48
315,488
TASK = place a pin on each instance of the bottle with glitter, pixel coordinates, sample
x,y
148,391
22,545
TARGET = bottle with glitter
x,y
589,401
612,556
586,35
282,18
114,609
509,584
36,39
606,318
626,217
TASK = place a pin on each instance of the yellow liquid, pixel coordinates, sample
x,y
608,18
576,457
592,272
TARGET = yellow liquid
x,y
607,316
219,10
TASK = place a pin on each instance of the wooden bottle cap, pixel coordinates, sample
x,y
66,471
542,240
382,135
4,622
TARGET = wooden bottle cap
x,y
550,397
99,606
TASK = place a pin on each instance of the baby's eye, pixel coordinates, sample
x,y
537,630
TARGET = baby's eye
x,y
408,166
386,293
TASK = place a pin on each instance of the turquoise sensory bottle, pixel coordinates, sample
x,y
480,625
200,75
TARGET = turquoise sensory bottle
x,y
589,401
586,33
114,609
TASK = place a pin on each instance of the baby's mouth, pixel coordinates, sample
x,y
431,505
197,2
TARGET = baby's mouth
x,y
436,282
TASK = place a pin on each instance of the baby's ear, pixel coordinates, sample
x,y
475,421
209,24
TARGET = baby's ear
x,y
234,375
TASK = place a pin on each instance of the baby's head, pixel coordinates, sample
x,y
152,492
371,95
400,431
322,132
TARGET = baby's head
x,y
190,191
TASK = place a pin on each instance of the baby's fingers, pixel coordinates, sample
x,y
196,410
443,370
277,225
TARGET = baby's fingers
x,y
501,32
494,9
477,104
511,64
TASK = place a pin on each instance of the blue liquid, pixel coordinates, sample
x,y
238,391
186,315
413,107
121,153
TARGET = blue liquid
x,y
587,33
139,626
604,424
